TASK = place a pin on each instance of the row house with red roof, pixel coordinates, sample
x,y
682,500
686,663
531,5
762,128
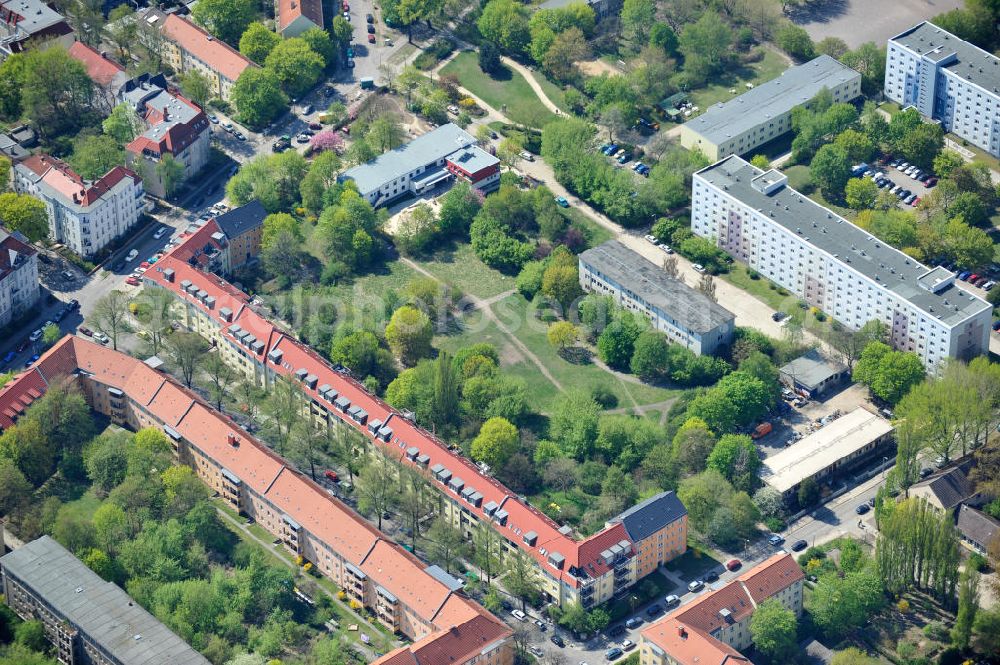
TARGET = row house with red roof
x,y
188,47
175,128
715,628
590,571
420,602
83,215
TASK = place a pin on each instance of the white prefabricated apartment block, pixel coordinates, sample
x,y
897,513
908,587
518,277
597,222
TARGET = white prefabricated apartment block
x,y
685,315
834,265
947,80
764,113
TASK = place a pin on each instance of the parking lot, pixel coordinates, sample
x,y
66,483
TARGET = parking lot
x,y
889,176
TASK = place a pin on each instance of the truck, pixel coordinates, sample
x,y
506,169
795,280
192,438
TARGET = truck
x,y
368,83
761,431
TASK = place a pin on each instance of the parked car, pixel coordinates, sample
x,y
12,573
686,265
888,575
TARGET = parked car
x,y
613,653
558,641
733,564
699,268
10,355
653,610
331,476
519,615
910,199
799,545
36,335
672,600
535,651
667,249
627,645
697,585
160,233
131,255
527,156
989,285
371,39
101,337
712,576
369,18
650,238
371,29
931,182
562,202
775,540
634,622
616,631
862,509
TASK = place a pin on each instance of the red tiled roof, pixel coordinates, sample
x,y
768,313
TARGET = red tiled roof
x,y
309,505
289,10
386,563
11,250
100,69
215,53
18,395
459,643
61,177
582,556
686,634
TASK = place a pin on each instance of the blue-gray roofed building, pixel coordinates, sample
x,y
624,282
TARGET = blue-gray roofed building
x,y
88,620
764,113
654,514
424,163
244,219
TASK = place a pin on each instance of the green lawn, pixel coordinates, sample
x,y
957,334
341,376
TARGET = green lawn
x,y
693,564
511,92
365,295
517,314
555,94
594,232
84,507
771,66
759,288
461,268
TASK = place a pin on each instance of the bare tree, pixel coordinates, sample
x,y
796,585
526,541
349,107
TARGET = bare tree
x,y
156,314
282,409
707,286
249,397
377,489
220,377
670,267
308,444
111,315
416,499
186,349
389,72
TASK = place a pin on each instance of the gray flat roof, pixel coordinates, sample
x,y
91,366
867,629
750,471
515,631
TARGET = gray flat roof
x,y
811,368
822,449
100,609
846,242
689,307
970,63
421,151
473,158
36,15
796,86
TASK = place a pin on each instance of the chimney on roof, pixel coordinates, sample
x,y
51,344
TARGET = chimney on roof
x,y
234,440
682,632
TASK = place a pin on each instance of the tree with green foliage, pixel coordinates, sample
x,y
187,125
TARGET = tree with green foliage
x,y
774,630
55,91
226,19
122,124
496,442
319,42
258,97
562,335
861,193
573,423
795,41
297,66
274,180
521,578
446,546
170,172
918,547
616,343
186,350
95,155
361,352
197,86
841,604
968,606
705,45
830,170
735,456
946,162
409,334
257,41
505,23
111,314
888,374
869,60
444,402
662,36
637,18
625,440
377,489
650,356
489,58
24,213
692,444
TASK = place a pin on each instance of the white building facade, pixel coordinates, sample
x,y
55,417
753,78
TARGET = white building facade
x,y
834,265
948,80
84,216
18,276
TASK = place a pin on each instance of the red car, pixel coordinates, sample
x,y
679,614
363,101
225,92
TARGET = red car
x,y
733,564
132,281
144,264
371,39
85,331
332,476
347,7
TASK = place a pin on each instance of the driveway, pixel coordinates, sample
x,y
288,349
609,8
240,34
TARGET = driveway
x,y
860,21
